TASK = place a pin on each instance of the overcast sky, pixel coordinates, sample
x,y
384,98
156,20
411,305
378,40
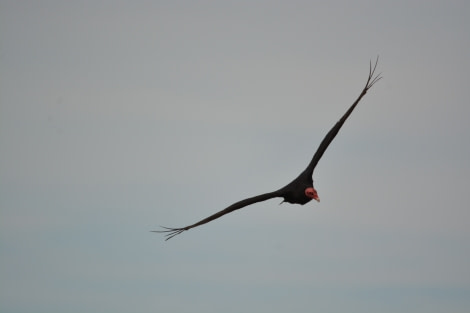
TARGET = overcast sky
x,y
117,117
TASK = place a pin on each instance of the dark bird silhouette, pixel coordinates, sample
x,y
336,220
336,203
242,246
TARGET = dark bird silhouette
x,y
300,190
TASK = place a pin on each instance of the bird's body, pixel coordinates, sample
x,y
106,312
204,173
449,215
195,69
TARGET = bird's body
x,y
298,191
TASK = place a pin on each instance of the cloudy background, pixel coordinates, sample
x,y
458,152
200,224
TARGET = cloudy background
x,y
120,116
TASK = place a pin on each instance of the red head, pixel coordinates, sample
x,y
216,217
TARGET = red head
x,y
312,193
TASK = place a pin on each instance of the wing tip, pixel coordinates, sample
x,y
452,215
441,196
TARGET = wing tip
x,y
169,232
372,77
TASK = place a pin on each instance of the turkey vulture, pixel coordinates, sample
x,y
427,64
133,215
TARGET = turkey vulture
x,y
301,189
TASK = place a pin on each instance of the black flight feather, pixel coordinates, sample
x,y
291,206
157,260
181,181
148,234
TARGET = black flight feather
x,y
294,191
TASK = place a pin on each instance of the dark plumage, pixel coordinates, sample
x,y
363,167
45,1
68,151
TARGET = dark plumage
x,y
300,190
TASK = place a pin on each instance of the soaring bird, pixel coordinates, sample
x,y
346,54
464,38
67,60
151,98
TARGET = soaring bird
x,y
298,191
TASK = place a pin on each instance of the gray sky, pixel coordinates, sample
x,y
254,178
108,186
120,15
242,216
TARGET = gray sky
x,y
120,116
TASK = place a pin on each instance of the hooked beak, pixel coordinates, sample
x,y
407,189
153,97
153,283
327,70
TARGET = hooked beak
x,y
312,193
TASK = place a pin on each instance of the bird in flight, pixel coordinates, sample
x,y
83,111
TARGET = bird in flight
x,y
298,191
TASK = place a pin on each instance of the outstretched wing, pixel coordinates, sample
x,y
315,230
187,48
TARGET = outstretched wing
x,y
371,80
171,232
